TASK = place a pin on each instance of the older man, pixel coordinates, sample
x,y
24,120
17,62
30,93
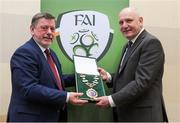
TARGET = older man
x,y
137,84
38,93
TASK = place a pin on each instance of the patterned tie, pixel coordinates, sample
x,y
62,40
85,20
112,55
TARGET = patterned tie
x,y
53,68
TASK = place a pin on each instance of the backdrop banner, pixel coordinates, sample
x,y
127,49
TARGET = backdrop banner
x,y
87,28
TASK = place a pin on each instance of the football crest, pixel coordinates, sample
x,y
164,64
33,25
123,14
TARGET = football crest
x,y
84,33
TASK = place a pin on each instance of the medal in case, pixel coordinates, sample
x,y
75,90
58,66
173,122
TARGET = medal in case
x,y
91,93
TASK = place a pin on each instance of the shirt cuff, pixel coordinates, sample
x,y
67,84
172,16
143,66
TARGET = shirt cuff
x,y
111,102
67,98
109,77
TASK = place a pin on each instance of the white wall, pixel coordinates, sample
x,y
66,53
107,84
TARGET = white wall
x,y
161,18
15,17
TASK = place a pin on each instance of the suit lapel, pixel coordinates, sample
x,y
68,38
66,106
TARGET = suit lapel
x,y
37,48
58,66
123,51
47,66
43,59
133,48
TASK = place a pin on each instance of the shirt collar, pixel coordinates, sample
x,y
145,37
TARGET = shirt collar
x,y
42,48
134,39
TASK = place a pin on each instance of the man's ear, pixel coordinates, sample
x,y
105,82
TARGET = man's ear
x,y
32,30
141,20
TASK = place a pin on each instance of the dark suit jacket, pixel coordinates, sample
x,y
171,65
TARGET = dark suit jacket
x,y
138,85
35,95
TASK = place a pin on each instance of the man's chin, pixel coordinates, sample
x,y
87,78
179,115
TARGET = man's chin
x,y
129,37
47,45
48,42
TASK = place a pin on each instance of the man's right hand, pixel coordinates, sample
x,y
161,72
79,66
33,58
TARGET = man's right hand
x,y
74,99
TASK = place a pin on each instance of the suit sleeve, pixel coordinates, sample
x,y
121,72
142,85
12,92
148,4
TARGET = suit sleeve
x,y
150,65
27,76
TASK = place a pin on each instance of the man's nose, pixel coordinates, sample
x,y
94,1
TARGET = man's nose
x,y
50,30
124,25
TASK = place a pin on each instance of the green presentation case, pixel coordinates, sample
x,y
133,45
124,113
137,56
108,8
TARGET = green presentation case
x,y
88,80
91,85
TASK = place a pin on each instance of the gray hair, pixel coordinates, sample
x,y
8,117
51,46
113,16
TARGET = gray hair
x,y
41,15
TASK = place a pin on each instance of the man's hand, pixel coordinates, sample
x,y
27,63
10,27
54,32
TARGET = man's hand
x,y
73,98
102,101
103,73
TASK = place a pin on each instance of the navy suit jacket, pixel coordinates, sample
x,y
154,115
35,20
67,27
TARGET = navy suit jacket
x,y
137,85
35,95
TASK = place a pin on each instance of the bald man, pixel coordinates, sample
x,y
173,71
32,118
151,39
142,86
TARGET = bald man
x,y
137,84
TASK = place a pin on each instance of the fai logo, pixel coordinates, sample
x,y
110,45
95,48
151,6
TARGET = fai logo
x,y
84,33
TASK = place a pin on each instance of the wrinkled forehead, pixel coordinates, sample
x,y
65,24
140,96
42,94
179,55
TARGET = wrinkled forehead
x,y
44,21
